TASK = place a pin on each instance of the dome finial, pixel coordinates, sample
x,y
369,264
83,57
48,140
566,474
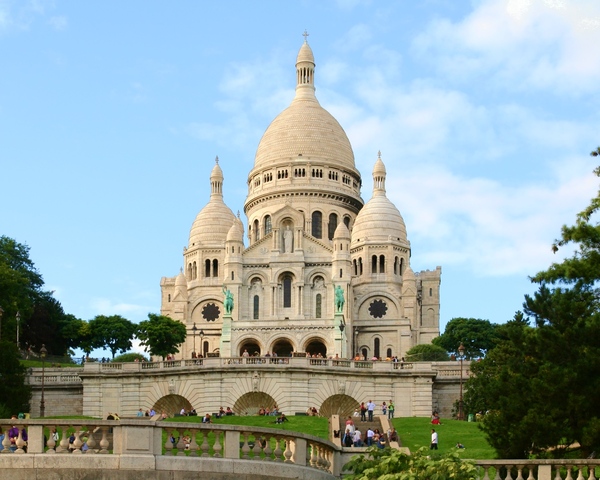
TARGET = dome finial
x,y
305,35
379,176
379,154
217,159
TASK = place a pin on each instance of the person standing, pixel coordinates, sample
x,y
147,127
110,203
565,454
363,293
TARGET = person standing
x,y
434,440
391,408
370,409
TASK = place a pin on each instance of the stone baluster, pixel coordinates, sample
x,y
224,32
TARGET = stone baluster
x,y
169,443
486,469
6,443
288,451
278,452
205,446
268,451
20,442
257,449
104,440
180,444
580,472
591,472
520,472
63,446
193,444
51,443
569,470
245,446
557,476
77,443
217,445
313,456
91,441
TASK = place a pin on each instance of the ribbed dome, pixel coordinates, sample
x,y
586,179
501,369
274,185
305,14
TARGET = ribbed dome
x,y
180,280
214,221
379,219
305,128
236,232
341,231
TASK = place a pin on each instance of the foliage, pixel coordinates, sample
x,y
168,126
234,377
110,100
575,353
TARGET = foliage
x,y
540,382
130,357
15,393
426,353
392,464
161,335
477,336
113,333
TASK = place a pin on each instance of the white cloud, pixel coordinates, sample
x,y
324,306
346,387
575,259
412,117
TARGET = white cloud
x,y
58,22
106,306
536,44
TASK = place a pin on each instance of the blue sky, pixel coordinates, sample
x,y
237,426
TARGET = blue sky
x,y
111,115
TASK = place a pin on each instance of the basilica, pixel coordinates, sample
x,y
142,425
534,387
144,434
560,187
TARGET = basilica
x,y
317,270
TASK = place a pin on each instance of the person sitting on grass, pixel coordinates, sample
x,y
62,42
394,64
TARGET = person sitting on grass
x,y
281,418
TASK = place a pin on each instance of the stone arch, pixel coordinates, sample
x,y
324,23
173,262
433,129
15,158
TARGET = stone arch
x,y
172,404
282,347
252,345
250,403
341,404
316,345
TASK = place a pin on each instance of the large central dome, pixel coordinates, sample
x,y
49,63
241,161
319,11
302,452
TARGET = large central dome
x,y
305,128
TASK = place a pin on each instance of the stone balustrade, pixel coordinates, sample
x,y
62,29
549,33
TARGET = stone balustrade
x,y
584,469
226,452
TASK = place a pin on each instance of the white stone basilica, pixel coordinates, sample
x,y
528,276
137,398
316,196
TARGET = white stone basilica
x,y
309,232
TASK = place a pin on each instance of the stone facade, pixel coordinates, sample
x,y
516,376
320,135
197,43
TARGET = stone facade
x,y
308,232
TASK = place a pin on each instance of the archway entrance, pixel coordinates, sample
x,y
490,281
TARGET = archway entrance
x,y
316,347
172,404
250,403
252,347
342,405
283,348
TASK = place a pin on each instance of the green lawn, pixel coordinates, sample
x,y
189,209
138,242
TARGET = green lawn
x,y
415,432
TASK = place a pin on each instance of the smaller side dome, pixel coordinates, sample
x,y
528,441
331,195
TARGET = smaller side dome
x,y
236,232
341,231
181,281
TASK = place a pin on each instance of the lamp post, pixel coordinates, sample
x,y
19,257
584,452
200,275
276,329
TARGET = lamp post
x,y
1,312
202,343
194,328
461,353
355,342
18,321
43,353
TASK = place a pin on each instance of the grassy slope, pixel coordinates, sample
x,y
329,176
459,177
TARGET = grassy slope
x,y
416,432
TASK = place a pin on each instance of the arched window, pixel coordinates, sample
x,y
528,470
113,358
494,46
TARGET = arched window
x,y
389,353
355,266
347,222
333,221
318,305
287,291
268,226
190,272
232,275
256,306
401,266
256,231
376,348
207,268
195,271
360,266
395,265
317,225
431,292
169,298
374,264
341,273
381,263
215,272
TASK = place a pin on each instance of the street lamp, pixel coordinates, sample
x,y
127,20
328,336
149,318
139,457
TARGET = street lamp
x,y
194,328
43,353
202,343
461,353
355,342
18,321
1,312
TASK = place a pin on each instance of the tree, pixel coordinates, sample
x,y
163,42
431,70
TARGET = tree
x,y
426,353
113,333
540,383
15,393
392,464
478,336
161,335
